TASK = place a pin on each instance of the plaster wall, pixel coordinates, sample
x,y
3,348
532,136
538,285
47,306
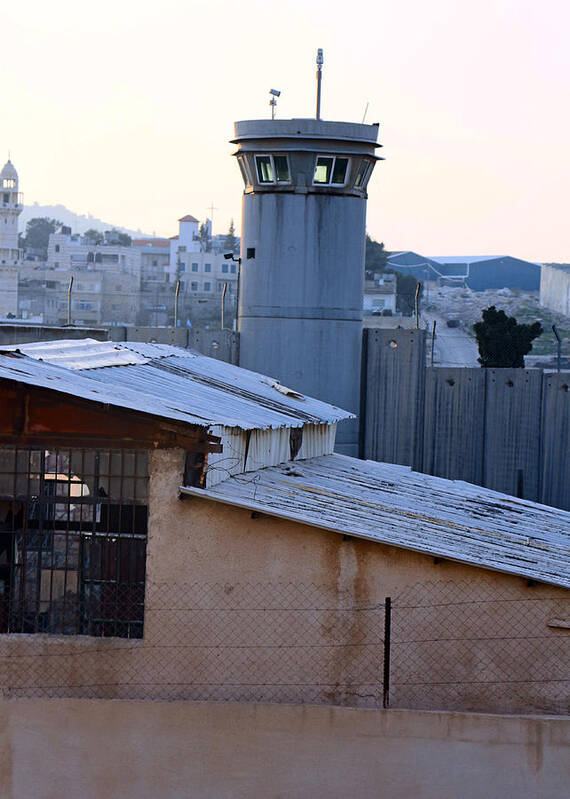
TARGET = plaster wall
x,y
93,749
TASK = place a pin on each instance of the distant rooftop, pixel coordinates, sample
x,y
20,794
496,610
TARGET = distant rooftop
x,y
150,242
188,218
474,259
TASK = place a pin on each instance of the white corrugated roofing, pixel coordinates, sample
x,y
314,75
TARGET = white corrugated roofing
x,y
393,505
164,381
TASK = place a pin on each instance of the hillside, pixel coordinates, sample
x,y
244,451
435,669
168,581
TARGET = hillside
x,y
79,223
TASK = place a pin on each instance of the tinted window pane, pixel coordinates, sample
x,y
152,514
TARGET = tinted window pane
x,y
339,171
264,169
243,172
362,173
281,168
323,170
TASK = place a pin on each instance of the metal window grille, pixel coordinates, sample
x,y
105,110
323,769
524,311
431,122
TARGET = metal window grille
x,y
73,531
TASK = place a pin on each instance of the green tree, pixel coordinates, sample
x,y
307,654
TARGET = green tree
x,y
375,258
38,231
406,293
231,243
94,235
502,341
121,238
205,237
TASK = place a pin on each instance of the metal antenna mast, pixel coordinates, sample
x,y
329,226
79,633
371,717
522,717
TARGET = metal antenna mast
x,y
273,101
319,80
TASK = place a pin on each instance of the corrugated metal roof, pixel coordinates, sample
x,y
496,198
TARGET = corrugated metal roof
x,y
464,259
393,505
164,381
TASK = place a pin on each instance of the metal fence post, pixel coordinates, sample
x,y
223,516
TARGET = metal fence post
x,y
387,630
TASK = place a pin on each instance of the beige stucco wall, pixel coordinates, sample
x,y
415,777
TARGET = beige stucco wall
x,y
261,609
118,750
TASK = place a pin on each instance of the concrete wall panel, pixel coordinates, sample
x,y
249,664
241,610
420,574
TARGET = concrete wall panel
x,y
512,431
555,454
392,401
454,423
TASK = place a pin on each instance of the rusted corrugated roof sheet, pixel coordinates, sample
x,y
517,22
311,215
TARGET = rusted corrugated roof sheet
x,y
164,381
393,505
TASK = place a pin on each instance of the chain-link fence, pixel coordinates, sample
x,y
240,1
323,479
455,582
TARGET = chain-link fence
x,y
265,642
436,646
459,646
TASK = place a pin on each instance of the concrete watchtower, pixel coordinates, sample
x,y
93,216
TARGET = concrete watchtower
x,y
10,209
302,250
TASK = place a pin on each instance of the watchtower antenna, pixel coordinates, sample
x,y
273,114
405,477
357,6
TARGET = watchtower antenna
x,y
275,93
320,60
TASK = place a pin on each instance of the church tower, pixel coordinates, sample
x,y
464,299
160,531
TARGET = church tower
x,y
11,207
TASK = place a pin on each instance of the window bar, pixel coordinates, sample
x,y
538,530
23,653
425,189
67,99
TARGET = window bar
x,y
118,546
42,507
55,488
67,530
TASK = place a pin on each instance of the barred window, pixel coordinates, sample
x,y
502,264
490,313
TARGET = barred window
x,y
73,531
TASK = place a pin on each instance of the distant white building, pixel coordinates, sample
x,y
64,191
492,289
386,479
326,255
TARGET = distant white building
x,y
8,292
72,251
199,272
380,295
555,287
11,207
187,241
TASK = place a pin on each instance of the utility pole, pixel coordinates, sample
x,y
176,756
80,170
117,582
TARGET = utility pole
x,y
320,60
416,303
176,293
69,299
224,303
558,347
433,341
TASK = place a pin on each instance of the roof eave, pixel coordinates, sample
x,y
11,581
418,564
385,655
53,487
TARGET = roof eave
x,y
340,529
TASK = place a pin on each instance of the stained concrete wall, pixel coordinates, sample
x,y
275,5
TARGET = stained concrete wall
x,y
220,344
119,750
555,441
506,429
555,288
23,333
454,428
512,432
392,396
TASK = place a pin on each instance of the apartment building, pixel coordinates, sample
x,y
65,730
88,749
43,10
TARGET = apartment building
x,y
72,251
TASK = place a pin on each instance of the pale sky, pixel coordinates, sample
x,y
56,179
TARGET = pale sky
x,y
124,109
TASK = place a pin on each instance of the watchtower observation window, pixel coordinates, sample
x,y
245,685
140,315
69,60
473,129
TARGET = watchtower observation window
x,y
73,532
273,169
8,183
330,170
363,174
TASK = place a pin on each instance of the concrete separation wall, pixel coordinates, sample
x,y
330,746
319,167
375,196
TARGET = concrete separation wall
x,y
220,344
94,749
454,423
18,333
392,395
555,439
506,429
512,431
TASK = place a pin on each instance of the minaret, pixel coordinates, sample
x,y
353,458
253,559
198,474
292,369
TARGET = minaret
x,y
10,209
302,255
